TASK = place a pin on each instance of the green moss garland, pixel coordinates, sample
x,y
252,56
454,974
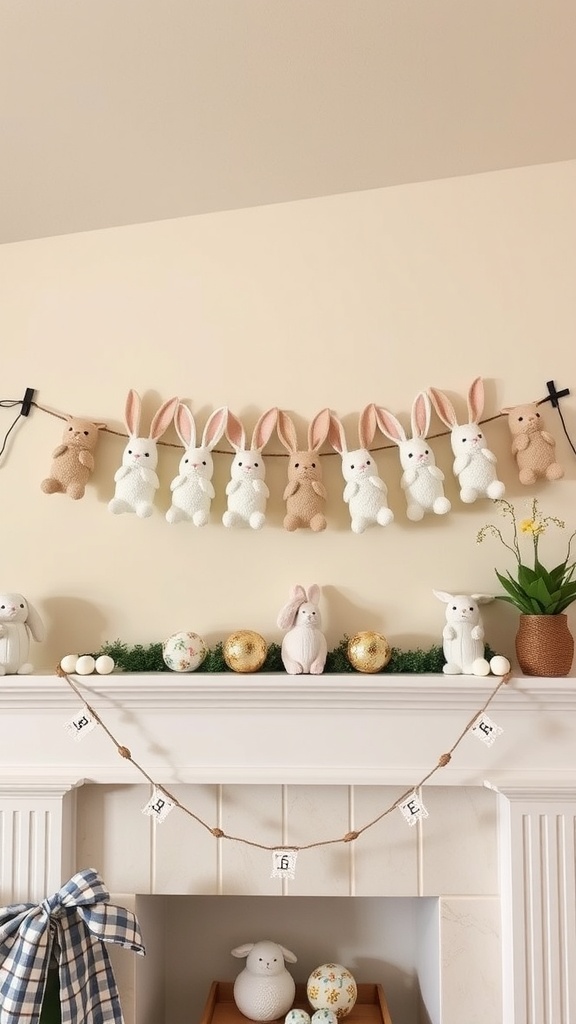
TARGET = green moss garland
x,y
149,658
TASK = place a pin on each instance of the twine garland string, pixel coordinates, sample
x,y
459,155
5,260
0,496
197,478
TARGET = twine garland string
x,y
349,837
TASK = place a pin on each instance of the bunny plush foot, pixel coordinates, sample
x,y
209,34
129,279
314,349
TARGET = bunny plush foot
x,y
175,515
117,506
452,670
415,513
468,495
200,518
144,509
25,669
441,506
318,522
291,523
231,518
495,490
554,472
257,520
384,517
50,485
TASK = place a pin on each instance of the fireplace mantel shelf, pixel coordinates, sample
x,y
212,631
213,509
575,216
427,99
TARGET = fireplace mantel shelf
x,y
262,728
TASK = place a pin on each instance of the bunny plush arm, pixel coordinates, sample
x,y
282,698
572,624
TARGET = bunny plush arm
x,y
533,447
305,493
422,480
365,492
474,464
192,488
247,493
136,479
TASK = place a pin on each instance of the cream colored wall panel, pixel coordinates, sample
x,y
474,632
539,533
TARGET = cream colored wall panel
x,y
187,858
461,820
471,972
115,837
315,814
386,855
256,814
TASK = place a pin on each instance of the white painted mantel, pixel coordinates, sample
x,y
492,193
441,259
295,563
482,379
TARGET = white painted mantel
x,y
348,730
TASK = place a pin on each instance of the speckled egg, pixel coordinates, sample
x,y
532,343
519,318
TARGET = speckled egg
x,y
332,987
297,1017
324,1017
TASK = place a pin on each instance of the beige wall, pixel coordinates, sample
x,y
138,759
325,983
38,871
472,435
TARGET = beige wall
x,y
337,302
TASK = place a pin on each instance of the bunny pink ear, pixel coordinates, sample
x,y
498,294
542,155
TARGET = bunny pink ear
x,y
163,418
443,407
289,611
318,430
336,436
287,431
314,593
132,412
421,413
215,427
235,433
185,426
367,425
389,425
476,400
263,429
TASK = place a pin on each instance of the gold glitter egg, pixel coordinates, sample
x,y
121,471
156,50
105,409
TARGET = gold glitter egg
x,y
369,651
245,651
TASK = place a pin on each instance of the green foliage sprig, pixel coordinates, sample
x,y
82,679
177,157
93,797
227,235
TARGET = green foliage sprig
x,y
141,658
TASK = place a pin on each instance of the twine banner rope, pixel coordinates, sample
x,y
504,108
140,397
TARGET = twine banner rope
x,y
349,837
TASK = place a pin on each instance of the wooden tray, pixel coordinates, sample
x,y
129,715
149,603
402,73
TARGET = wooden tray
x,y
370,1007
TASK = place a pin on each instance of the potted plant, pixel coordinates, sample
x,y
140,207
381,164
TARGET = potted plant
x,y
544,643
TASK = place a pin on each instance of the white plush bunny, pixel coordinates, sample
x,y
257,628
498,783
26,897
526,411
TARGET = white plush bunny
x,y
19,622
192,489
463,634
365,492
136,480
422,480
246,491
304,646
265,989
474,464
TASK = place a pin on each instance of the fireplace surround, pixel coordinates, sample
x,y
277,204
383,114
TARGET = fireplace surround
x,y
489,875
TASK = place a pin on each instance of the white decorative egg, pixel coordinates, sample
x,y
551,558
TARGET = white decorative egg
x,y
332,987
499,665
324,1017
85,665
104,665
184,652
68,662
297,1017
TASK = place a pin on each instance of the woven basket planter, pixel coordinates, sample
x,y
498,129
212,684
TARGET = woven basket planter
x,y
544,645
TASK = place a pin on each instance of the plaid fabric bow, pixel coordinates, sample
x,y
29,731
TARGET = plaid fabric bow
x,y
72,925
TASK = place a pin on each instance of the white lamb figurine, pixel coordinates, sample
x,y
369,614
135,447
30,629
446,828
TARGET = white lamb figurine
x,y
19,621
265,989
463,637
365,492
422,480
474,464
304,646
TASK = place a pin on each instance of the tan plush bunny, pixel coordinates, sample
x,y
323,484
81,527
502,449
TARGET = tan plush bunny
x,y
73,459
304,494
533,447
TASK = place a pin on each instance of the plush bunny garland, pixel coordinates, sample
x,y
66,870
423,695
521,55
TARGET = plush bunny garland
x,y
422,480
532,445
73,459
136,480
304,647
365,492
247,493
474,464
304,494
192,488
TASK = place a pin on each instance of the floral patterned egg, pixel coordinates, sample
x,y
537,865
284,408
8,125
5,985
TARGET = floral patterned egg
x,y
332,987
184,652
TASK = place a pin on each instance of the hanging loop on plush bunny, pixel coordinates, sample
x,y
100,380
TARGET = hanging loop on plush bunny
x,y
474,464
304,647
247,493
422,480
136,479
192,489
365,492
533,446
304,494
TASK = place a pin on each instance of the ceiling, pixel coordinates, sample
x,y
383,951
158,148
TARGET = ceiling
x,y
116,112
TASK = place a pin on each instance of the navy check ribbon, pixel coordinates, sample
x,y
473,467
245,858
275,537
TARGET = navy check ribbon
x,y
70,927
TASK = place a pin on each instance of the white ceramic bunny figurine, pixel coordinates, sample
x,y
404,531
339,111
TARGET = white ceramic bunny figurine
x,y
192,489
365,492
422,480
474,463
265,989
463,634
304,646
19,622
247,492
136,480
